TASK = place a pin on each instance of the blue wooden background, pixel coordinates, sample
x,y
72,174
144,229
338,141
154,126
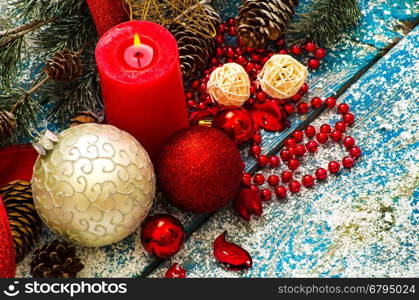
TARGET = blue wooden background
x,y
361,222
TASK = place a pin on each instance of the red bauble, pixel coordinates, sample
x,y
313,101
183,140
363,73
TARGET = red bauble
x,y
162,235
7,250
107,13
235,122
199,169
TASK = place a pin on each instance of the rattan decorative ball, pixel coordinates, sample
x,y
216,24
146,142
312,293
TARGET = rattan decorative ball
x,y
95,186
229,85
282,76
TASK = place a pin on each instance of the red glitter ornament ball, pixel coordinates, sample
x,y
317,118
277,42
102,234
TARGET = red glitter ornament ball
x,y
199,169
107,13
162,235
7,251
235,122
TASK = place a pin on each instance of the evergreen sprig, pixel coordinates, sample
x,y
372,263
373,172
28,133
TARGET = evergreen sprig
x,y
324,21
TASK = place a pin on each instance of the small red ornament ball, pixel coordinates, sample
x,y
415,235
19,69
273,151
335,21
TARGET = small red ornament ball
x,y
199,169
7,251
162,235
235,122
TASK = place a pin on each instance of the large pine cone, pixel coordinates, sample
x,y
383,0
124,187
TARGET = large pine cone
x,y
7,124
24,220
64,66
263,20
55,260
194,48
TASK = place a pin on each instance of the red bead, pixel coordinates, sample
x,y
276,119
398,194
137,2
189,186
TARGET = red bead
x,y
292,150
273,180
274,161
302,108
325,128
162,235
257,139
222,28
255,150
241,60
322,137
230,52
321,174
250,67
355,152
334,167
281,192
195,84
189,95
290,142
295,50
312,146
301,150
286,176
316,102
320,53
232,31
343,108
293,164
263,160
295,186
285,155
261,97
310,47
313,63
214,61
219,51
256,57
348,142
258,179
341,126
265,195
348,162
310,131
283,51
349,118
304,89
247,179
191,104
297,97
254,188
280,43
308,181
298,135
330,102
336,135
289,109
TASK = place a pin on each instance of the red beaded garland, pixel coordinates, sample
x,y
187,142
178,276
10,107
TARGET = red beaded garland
x,y
348,142
286,176
334,167
308,181
316,102
310,131
281,192
273,180
348,162
294,186
312,146
330,102
355,152
258,179
321,174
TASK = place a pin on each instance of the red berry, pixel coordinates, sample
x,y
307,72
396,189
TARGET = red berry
x,y
310,131
246,179
280,43
250,67
293,164
304,89
261,96
283,51
265,195
336,135
334,167
348,162
302,108
195,84
348,142
322,137
273,180
343,108
355,152
286,176
349,118
285,155
222,28
341,126
325,128
313,63
316,102
301,150
255,150
312,146
330,102
310,47
263,160
297,97
298,135
231,21
241,60
308,181
258,179
281,192
295,186
321,174
295,50
289,109
191,104
320,53
274,161
232,31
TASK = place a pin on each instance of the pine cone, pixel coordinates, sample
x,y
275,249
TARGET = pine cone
x,y
64,66
7,123
194,48
84,117
24,220
55,260
263,20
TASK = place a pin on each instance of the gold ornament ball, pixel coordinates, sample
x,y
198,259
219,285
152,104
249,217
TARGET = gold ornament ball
x,y
95,187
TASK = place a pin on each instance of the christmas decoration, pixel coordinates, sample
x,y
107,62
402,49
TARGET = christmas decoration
x,y
107,14
175,271
24,220
95,187
7,123
162,235
55,260
229,85
7,252
248,202
231,256
282,76
84,117
199,169
263,20
235,122
65,65
268,116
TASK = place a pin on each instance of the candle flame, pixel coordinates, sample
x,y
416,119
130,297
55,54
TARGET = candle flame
x,y
137,40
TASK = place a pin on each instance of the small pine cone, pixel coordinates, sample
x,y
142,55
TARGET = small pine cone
x,y
84,117
7,123
263,20
24,220
194,48
64,66
55,260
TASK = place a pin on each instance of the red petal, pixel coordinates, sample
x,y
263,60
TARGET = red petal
x,y
268,115
232,256
175,271
198,115
248,202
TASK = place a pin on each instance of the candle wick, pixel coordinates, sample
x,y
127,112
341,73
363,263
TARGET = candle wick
x,y
139,55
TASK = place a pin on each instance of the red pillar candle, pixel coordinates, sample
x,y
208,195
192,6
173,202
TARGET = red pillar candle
x,y
141,81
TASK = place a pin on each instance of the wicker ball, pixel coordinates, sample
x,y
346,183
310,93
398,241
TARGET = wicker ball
x,y
229,85
282,76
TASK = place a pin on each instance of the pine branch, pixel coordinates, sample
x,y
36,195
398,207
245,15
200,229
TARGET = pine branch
x,y
324,21
46,9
